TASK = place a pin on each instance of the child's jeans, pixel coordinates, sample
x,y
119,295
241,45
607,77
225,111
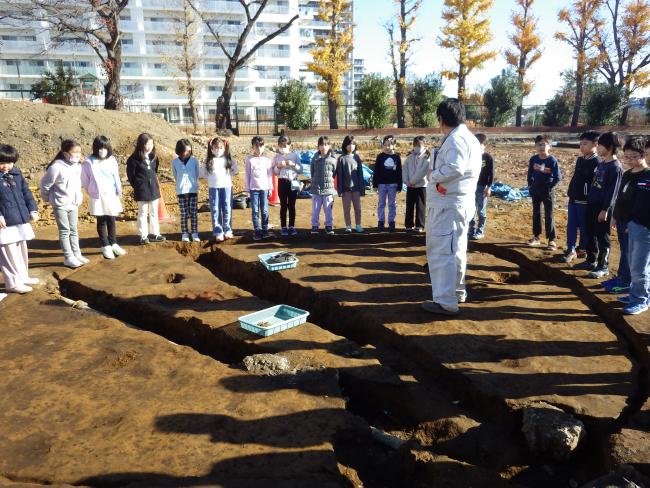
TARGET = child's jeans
x,y
416,200
481,210
639,260
287,202
13,263
220,210
188,205
150,208
387,191
260,203
577,221
351,198
543,195
326,202
623,272
66,221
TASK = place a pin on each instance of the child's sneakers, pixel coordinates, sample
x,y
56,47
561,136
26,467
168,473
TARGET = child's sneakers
x,y
616,290
359,228
348,229
228,235
144,240
107,252
219,237
159,238
585,265
257,235
478,236
72,262
266,234
380,226
329,230
569,256
293,231
610,283
21,289
635,309
117,250
534,241
82,259
314,229
195,237
185,238
598,273
391,226
421,229
581,253
409,229
552,245
284,232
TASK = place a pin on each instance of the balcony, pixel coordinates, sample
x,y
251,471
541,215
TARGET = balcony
x,y
222,7
131,71
22,46
273,53
162,27
165,4
128,25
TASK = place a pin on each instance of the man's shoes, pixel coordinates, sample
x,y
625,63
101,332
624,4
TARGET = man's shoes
x,y
435,308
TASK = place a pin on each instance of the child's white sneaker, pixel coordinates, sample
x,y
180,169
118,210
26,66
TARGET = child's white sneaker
x,y
107,252
82,259
117,250
359,228
185,238
72,262
229,235
195,237
348,229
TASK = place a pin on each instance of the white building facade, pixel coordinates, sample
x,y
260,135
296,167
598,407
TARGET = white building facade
x,y
149,34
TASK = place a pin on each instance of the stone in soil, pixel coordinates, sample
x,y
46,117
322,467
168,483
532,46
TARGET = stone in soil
x,y
86,400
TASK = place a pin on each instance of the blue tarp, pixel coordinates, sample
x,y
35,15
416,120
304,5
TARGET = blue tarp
x,y
507,193
307,156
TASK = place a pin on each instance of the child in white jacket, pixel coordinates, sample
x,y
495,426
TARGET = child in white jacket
x,y
414,176
219,168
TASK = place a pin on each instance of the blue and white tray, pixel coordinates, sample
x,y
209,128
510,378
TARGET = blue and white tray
x,y
276,266
273,320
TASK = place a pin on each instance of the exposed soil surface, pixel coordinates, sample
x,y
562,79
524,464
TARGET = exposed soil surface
x,y
146,387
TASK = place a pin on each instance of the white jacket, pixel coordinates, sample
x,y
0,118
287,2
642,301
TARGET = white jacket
x,y
454,170
220,176
61,184
415,169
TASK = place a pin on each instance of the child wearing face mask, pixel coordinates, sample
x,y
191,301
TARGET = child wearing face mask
x,y
61,187
186,173
414,176
287,167
17,209
142,172
218,168
100,177
323,169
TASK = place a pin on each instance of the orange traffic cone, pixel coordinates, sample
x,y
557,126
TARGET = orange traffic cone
x,y
163,215
274,198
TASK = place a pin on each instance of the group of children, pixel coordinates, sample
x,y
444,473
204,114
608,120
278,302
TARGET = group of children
x,y
601,196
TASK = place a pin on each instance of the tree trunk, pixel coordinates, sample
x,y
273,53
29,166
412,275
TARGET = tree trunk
x,y
192,103
222,117
626,109
112,96
332,106
520,111
461,84
579,93
399,97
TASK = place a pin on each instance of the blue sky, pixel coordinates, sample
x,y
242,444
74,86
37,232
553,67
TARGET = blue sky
x,y
371,43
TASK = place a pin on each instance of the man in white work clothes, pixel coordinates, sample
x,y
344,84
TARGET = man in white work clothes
x,y
450,205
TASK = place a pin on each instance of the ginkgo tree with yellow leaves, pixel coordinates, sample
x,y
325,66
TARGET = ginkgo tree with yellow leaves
x,y
525,49
466,31
582,25
331,56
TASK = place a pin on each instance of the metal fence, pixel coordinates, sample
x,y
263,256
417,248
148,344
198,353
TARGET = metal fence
x,y
249,119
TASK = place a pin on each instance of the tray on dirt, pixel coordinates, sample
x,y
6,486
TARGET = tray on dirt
x,y
273,320
275,261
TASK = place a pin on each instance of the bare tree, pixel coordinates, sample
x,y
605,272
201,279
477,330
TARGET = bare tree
x,y
237,57
625,48
94,22
185,61
399,61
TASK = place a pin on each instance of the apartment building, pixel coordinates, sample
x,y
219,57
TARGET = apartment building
x,y
149,37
